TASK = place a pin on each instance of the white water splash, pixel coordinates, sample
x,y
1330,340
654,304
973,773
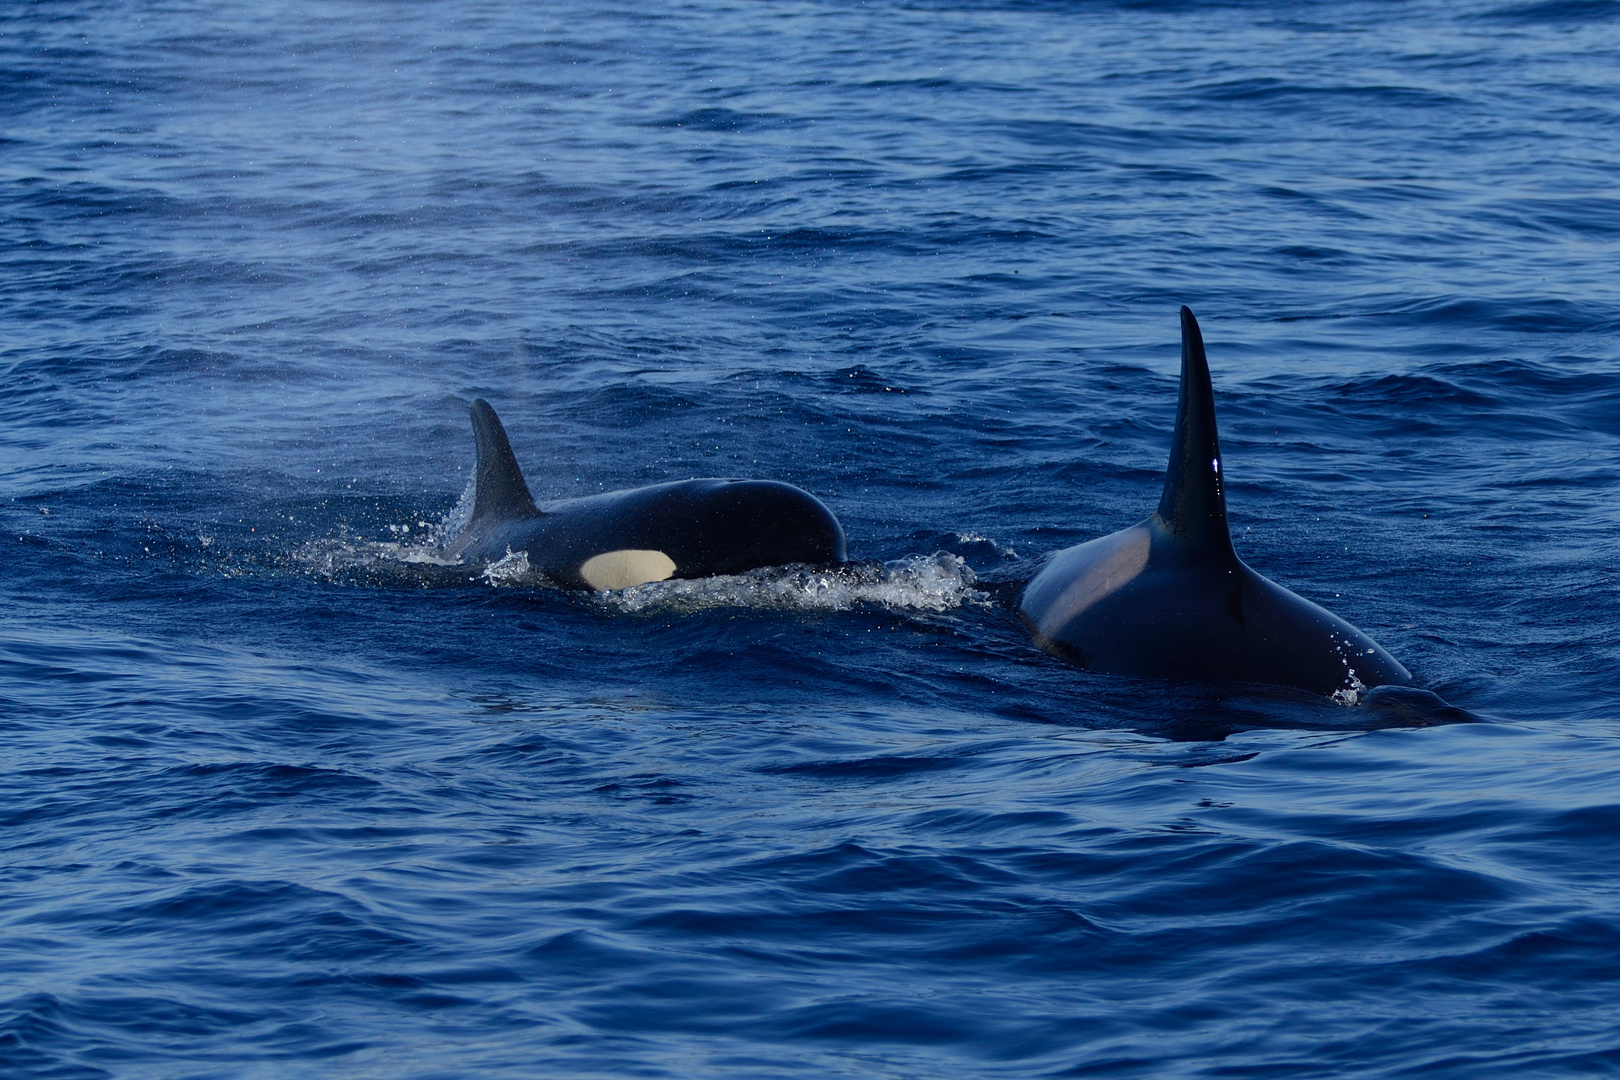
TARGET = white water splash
x,y
510,569
455,521
335,556
340,555
933,583
1350,695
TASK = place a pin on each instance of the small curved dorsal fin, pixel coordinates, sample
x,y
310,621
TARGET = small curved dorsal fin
x,y
1193,506
499,492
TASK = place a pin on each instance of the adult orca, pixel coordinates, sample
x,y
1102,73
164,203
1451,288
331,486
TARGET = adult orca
x,y
1169,598
685,529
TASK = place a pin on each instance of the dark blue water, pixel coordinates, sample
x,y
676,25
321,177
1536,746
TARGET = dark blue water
x,y
280,799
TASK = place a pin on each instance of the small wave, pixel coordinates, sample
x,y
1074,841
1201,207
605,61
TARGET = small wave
x,y
927,583
1004,551
1555,12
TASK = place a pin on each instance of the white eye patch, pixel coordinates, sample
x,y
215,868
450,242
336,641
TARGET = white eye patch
x,y
626,567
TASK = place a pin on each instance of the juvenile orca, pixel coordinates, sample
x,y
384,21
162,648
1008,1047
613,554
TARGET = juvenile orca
x,y
685,529
1169,598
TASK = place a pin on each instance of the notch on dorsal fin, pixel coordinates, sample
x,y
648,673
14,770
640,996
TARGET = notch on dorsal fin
x,y
1193,506
499,492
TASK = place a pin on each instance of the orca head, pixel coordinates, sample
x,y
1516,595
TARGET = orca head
x,y
746,524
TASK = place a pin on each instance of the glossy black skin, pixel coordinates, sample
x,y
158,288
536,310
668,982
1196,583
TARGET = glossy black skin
x,y
1192,619
707,527
1169,597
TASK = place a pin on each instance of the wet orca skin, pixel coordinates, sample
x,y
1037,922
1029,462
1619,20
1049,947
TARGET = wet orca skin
x,y
1169,598
685,529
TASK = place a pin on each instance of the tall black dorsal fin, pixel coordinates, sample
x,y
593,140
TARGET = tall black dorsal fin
x,y
1193,506
499,492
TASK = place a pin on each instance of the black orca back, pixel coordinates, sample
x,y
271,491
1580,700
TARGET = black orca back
x,y
688,528
1169,597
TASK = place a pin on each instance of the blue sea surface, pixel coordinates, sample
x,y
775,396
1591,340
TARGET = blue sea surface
x,y
283,797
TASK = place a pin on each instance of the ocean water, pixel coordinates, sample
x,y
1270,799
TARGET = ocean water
x,y
280,798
